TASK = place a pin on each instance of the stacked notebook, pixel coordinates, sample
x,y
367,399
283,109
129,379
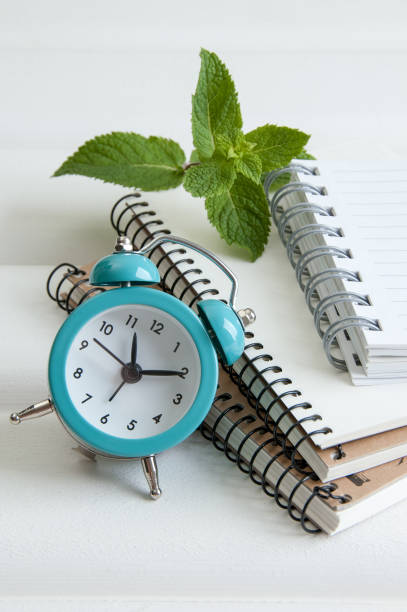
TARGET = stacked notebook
x,y
283,414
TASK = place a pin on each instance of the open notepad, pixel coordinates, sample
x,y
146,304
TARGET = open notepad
x,y
345,229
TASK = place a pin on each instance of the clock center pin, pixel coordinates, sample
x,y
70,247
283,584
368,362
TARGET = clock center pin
x,y
131,373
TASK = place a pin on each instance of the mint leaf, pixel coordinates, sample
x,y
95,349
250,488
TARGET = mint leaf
x,y
241,215
305,155
249,164
130,160
276,146
215,107
224,146
194,157
241,144
226,166
209,178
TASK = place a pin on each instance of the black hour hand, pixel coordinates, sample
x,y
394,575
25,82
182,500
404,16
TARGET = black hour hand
x,y
133,356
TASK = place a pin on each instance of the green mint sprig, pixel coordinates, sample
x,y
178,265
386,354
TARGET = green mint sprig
x,y
226,167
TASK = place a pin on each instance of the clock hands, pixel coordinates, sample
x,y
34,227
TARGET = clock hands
x,y
134,350
132,372
133,362
117,390
109,351
161,373
127,377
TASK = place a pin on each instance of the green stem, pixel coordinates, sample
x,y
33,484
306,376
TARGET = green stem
x,y
189,164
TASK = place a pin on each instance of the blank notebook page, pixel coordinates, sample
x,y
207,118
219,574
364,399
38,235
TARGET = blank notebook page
x,y
370,202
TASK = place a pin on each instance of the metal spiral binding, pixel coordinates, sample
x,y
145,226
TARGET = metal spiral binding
x,y
341,325
292,511
309,256
306,231
292,240
246,464
272,176
127,212
298,209
290,187
131,210
310,289
334,299
69,282
295,187
324,492
264,412
130,215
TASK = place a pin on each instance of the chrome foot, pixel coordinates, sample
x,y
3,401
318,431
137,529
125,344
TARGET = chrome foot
x,y
32,412
150,472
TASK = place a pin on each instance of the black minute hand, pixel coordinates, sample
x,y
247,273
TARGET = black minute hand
x,y
108,351
161,373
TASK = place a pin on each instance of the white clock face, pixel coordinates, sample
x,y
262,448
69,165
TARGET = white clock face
x,y
133,371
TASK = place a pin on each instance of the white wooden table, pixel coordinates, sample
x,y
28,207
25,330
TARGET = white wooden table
x,y
79,536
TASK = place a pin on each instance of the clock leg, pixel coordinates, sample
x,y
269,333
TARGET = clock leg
x,y
85,452
151,473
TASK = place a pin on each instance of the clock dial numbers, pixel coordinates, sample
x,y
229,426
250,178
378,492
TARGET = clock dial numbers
x,y
133,384
157,327
106,328
131,321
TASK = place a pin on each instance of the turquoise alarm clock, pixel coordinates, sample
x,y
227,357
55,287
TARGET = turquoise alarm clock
x,y
133,371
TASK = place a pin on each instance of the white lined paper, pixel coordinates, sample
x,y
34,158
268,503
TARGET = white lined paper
x,y
370,203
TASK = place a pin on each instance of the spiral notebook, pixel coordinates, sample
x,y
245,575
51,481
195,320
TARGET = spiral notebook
x,y
344,226
331,507
68,285
310,397
234,429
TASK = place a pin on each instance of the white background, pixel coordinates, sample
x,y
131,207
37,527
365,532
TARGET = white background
x,y
69,71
